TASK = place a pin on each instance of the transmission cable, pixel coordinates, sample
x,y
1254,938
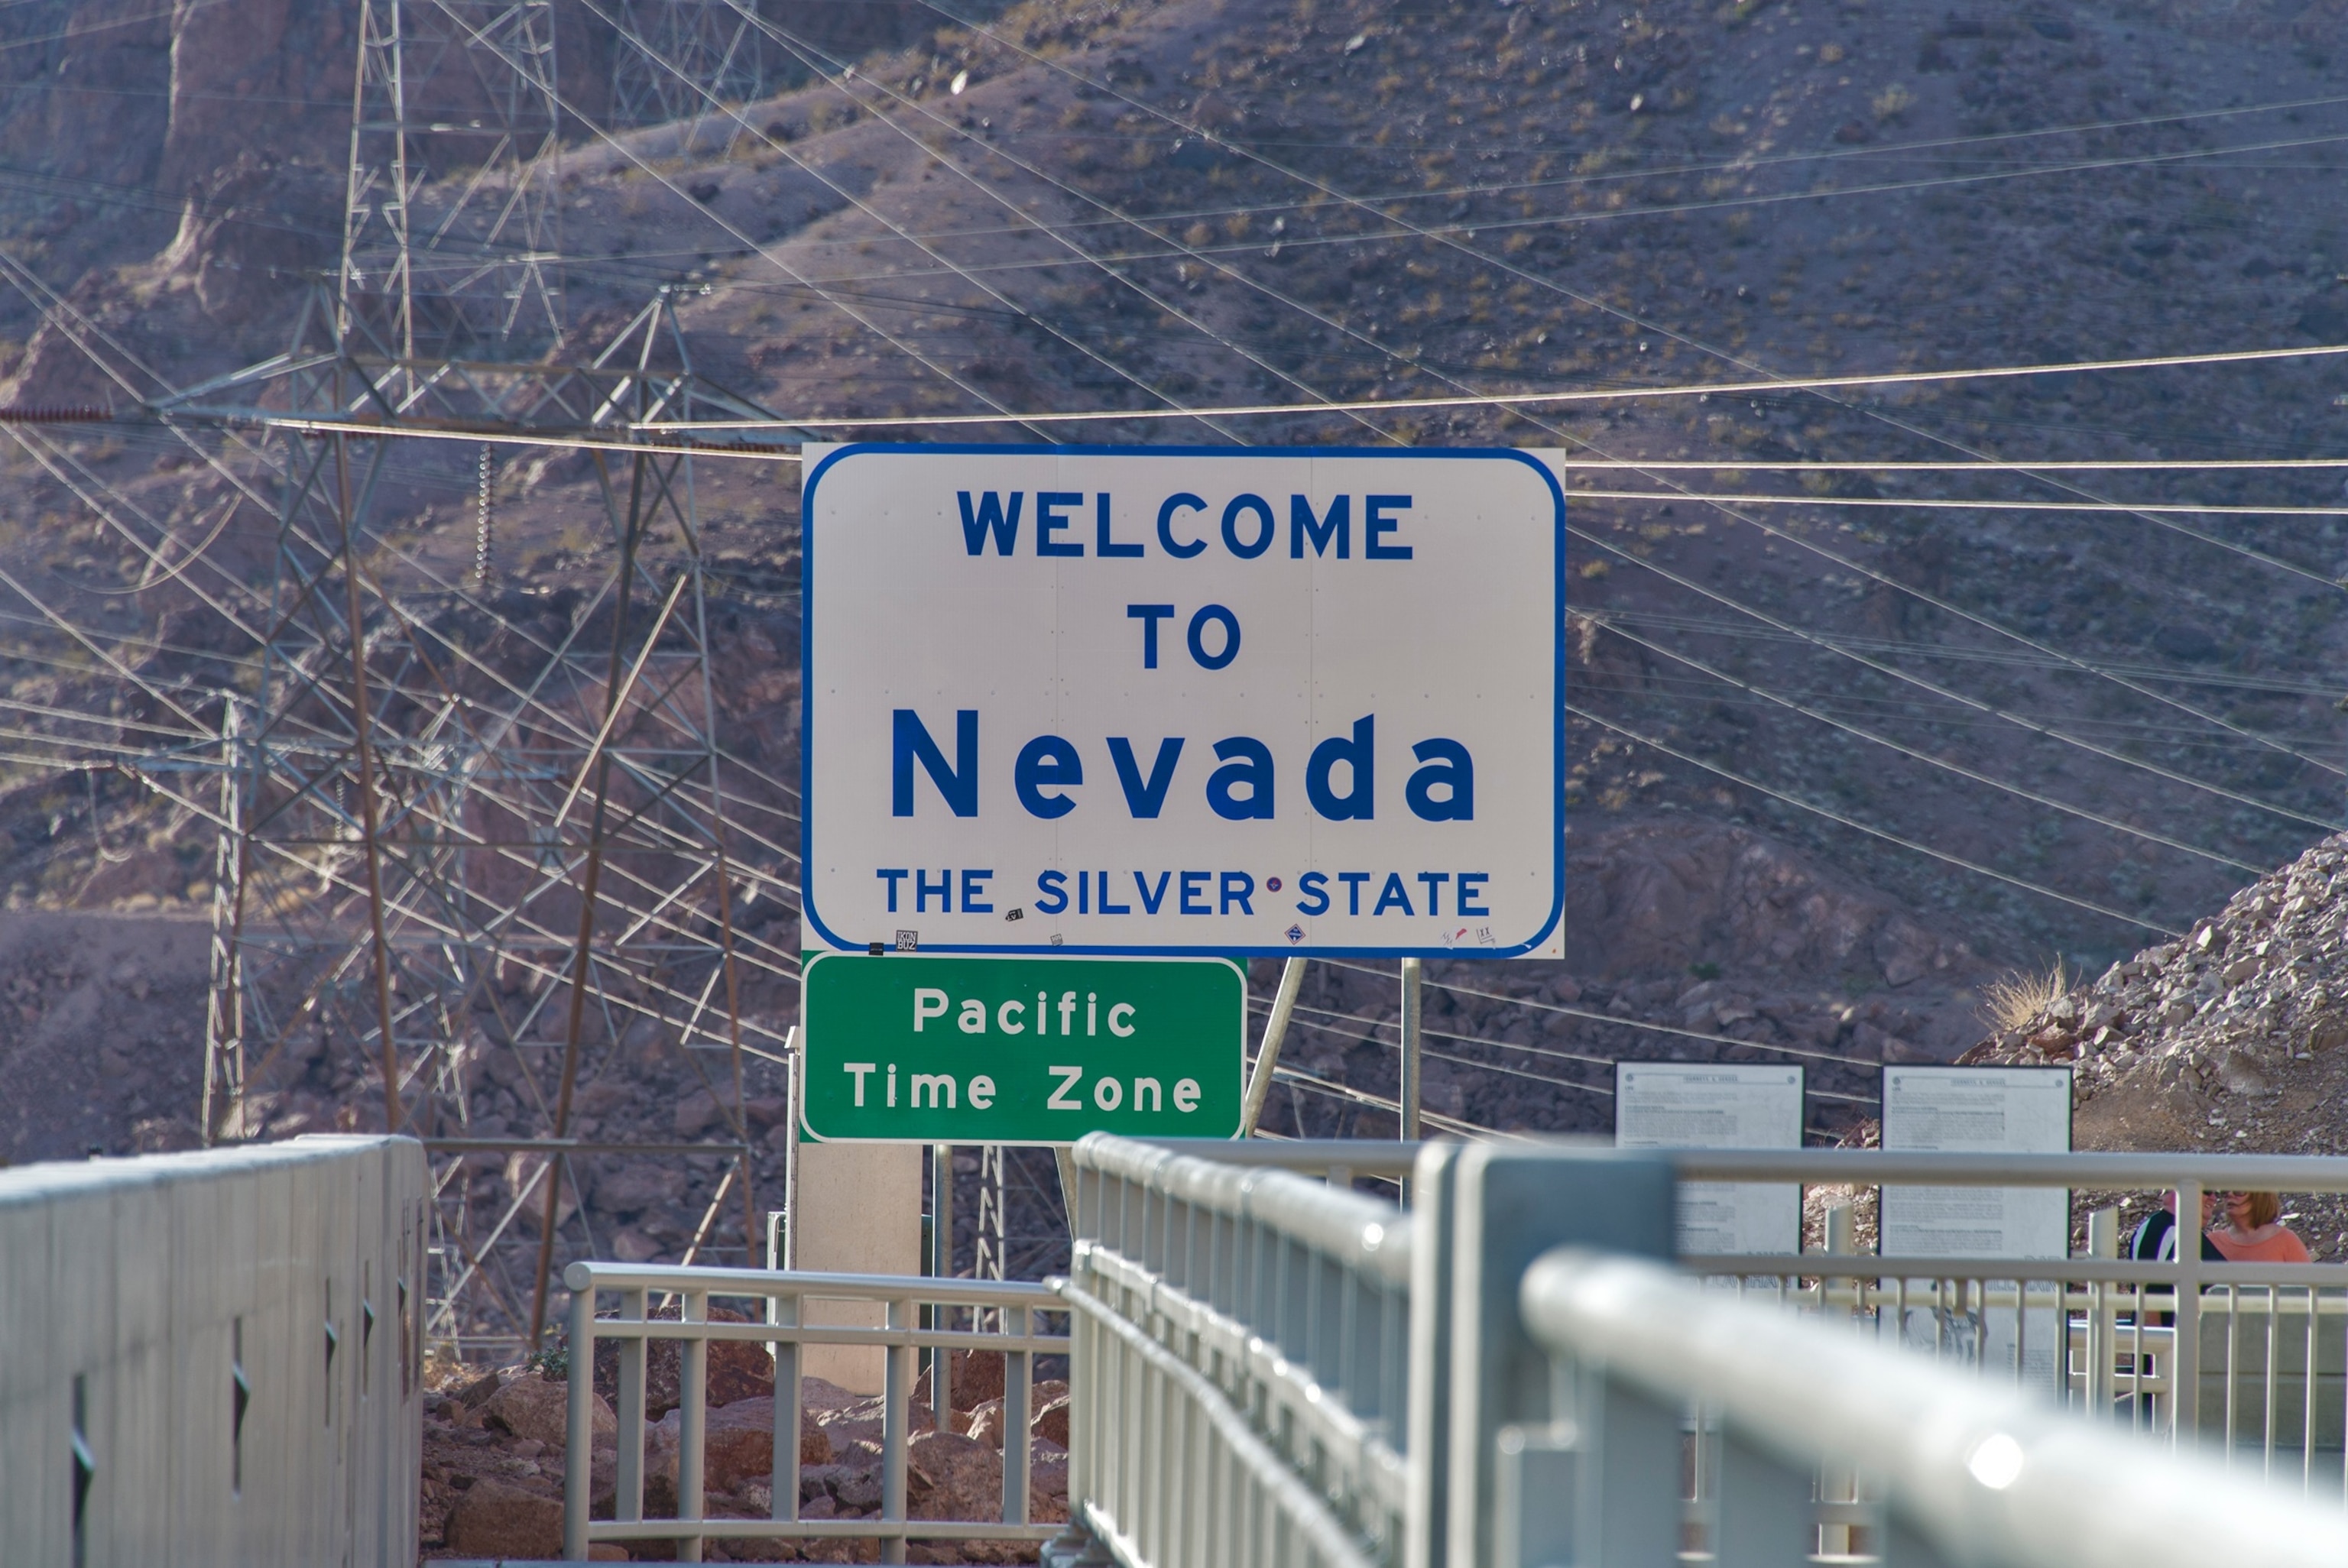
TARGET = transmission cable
x,y
1948,693
1889,837
872,212
1510,268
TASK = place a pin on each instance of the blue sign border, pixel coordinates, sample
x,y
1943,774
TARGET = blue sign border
x,y
812,922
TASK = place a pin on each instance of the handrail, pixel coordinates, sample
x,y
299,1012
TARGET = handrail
x,y
1983,1474
1873,1167
1354,1228
1361,1156
785,1293
1253,1297
764,1282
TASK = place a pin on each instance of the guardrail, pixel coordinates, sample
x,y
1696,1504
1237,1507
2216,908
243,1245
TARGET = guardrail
x,y
1235,1377
1947,1469
214,1357
1267,1368
2242,1358
1240,1371
780,1298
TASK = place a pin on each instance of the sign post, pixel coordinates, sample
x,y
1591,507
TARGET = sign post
x,y
1176,701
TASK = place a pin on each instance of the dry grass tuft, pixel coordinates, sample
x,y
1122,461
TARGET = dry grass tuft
x,y
2012,1000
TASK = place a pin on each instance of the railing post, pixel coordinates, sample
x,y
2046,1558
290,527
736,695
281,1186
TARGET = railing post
x,y
1429,1396
1512,1202
1017,1397
783,1311
628,1478
579,1414
692,1421
2185,1371
897,1386
2099,1384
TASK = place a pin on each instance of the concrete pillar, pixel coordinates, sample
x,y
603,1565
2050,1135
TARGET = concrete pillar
x,y
856,1209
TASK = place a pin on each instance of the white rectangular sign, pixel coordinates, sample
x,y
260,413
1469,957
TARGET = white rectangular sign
x,y
1173,700
1718,1105
1981,1110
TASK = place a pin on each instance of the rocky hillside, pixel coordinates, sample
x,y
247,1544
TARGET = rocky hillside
x,y
2227,1040
1840,751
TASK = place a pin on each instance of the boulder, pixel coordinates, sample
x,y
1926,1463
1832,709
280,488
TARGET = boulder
x,y
1050,1422
493,1519
694,1113
977,1378
987,1424
859,1422
951,1477
476,1394
531,1407
736,1370
737,1445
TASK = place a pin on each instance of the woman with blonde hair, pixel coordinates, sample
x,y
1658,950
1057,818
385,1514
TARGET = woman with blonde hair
x,y
2254,1231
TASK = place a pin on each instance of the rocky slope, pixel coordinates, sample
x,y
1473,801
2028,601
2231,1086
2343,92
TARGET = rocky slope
x,y
2226,1040
494,1454
1110,204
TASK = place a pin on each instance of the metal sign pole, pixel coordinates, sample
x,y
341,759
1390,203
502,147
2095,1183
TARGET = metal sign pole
x,y
1267,1055
1410,1049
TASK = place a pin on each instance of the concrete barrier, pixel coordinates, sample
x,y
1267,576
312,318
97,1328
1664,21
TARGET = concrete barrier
x,y
214,1357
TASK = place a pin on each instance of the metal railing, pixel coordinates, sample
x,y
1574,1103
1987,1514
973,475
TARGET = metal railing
x,y
2245,1358
1240,1397
1270,1369
1240,1372
1651,1369
780,1324
214,1357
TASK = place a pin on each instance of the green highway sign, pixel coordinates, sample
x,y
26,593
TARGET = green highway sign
x,y
910,1048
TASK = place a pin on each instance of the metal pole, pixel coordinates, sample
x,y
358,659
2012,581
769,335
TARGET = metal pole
x,y
2184,1357
1410,1049
794,1097
370,818
1267,1054
582,961
941,1250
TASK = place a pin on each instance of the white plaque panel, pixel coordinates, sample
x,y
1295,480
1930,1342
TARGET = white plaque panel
x,y
1977,1110
1981,1110
1718,1105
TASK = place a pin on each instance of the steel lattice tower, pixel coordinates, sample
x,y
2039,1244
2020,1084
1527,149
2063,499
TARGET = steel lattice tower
x,y
444,85
457,823
669,50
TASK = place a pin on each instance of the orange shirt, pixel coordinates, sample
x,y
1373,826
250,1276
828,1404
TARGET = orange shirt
x,y
2279,1246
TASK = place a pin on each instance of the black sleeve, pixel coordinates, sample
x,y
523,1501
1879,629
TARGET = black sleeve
x,y
2145,1244
2210,1253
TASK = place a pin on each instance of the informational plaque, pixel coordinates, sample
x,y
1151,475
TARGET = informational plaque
x,y
1991,1111
1985,1111
1718,1105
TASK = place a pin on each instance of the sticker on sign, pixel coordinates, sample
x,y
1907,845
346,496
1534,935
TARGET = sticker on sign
x,y
1184,701
1021,1050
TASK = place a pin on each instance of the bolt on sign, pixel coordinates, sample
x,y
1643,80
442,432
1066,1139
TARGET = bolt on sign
x,y
930,1048
1170,700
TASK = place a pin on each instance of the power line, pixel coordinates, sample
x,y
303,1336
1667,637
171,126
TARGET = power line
x,y
2083,813
874,213
1889,837
1863,1063
1948,693
2126,509
1542,399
